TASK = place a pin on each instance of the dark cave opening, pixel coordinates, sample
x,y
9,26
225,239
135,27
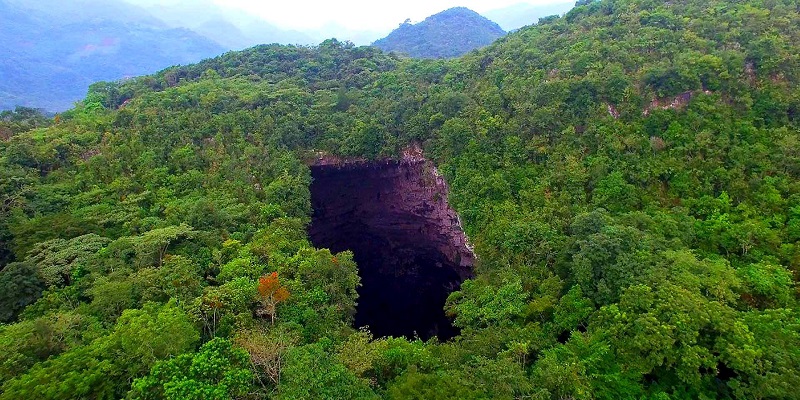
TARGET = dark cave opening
x,y
408,243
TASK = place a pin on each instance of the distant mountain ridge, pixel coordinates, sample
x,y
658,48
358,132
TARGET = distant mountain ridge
x,y
233,29
55,49
52,57
448,34
65,12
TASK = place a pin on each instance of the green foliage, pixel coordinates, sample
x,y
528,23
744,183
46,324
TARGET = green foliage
x,y
768,285
441,385
59,261
241,266
217,371
217,307
573,310
776,337
135,328
35,340
323,288
628,175
21,119
383,360
583,368
312,373
151,247
102,368
482,305
21,287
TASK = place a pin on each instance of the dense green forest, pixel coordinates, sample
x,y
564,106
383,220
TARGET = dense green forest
x,y
629,175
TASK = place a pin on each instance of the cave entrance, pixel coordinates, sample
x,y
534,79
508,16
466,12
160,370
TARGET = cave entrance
x,y
407,241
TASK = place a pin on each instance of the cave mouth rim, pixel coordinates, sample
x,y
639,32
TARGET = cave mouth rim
x,y
442,271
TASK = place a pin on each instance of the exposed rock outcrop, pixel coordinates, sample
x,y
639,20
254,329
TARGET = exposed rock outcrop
x,y
678,102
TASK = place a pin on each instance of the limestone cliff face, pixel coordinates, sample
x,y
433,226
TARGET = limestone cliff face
x,y
405,199
408,242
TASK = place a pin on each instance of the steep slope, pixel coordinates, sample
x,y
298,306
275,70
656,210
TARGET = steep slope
x,y
628,175
52,58
394,217
447,34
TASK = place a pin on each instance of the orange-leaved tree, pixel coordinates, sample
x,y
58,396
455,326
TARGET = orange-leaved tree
x,y
270,293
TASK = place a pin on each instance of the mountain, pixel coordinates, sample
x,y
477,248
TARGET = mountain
x,y
518,15
232,28
68,12
53,56
447,34
604,205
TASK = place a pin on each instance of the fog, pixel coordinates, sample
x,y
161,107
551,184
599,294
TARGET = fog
x,y
311,21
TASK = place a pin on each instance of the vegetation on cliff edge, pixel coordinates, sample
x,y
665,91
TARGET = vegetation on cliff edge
x,y
628,174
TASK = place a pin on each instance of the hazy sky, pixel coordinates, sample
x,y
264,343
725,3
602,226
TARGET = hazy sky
x,y
360,14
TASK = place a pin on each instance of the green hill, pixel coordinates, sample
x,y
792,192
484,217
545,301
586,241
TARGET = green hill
x,y
448,34
628,174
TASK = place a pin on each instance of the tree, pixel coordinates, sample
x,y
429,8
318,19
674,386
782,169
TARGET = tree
x,y
58,260
440,385
584,368
21,286
323,291
21,119
28,342
103,368
479,305
270,293
149,248
181,279
154,244
154,333
267,351
767,285
218,371
681,328
218,305
312,373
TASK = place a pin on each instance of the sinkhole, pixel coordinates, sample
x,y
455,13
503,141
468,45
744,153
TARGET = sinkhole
x,y
408,243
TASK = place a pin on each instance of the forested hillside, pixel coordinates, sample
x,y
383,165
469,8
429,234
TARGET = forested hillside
x,y
629,176
450,33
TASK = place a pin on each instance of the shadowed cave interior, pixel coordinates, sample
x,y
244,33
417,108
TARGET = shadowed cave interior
x,y
408,243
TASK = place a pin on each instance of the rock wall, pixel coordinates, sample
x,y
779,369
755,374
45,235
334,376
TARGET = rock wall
x,y
408,242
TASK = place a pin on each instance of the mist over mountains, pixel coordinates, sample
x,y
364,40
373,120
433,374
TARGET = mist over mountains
x,y
232,28
55,49
52,57
522,14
